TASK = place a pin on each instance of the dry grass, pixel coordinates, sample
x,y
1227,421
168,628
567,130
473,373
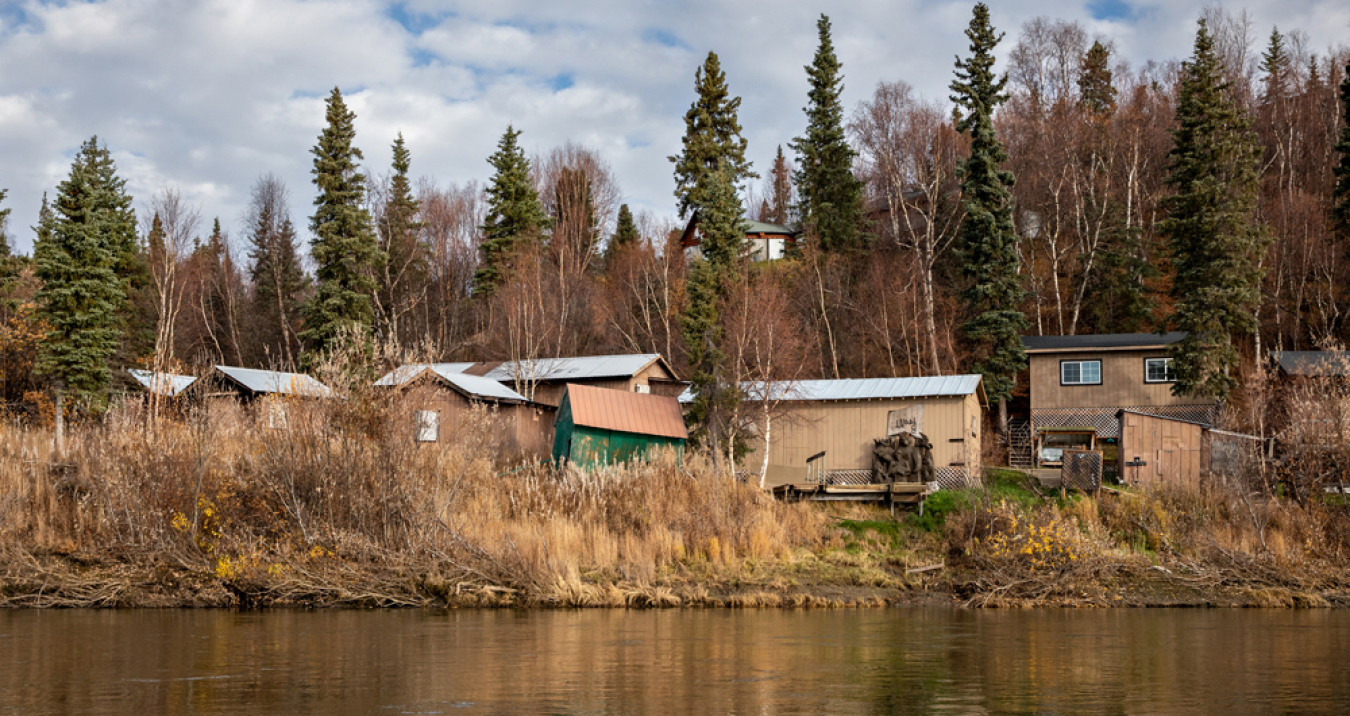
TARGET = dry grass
x,y
341,505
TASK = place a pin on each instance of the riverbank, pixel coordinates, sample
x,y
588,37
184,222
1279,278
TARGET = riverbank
x,y
344,509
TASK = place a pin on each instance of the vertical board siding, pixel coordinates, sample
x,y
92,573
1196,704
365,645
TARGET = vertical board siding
x,y
845,430
1171,448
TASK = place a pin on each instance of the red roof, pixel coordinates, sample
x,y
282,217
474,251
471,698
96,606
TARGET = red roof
x,y
626,412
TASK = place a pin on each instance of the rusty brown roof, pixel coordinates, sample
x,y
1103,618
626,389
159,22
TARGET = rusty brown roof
x,y
626,412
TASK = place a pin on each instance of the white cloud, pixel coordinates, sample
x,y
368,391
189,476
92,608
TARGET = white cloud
x,y
207,96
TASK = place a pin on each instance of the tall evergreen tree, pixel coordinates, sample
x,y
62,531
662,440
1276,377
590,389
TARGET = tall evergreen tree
x,y
1341,194
401,238
721,249
515,214
221,297
780,208
625,232
1215,244
345,250
830,196
1275,63
712,137
82,241
988,241
1096,93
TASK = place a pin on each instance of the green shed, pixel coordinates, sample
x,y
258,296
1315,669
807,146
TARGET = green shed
x,y
597,426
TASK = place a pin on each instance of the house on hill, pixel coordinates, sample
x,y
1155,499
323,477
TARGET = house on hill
x,y
439,399
1084,381
764,241
597,426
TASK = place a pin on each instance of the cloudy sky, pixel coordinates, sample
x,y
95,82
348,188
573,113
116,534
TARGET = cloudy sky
x,y
206,95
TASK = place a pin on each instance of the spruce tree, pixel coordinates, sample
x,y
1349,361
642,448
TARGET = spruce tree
x,y
345,251
1096,93
401,239
780,209
625,233
1214,243
830,196
1341,193
720,252
220,298
82,241
515,215
987,241
712,137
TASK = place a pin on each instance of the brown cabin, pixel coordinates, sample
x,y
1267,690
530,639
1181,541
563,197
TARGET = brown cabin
x,y
1084,381
439,401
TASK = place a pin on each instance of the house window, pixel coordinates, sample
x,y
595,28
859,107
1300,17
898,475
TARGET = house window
x,y
428,426
1159,370
1080,372
276,416
640,388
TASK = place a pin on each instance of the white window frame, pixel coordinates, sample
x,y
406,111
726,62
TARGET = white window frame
x,y
1080,364
427,424
1167,370
641,388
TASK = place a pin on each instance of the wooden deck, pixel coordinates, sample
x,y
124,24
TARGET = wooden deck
x,y
899,493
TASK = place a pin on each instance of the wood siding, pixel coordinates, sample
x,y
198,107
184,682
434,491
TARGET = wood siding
x,y
1171,448
1122,383
845,429
526,430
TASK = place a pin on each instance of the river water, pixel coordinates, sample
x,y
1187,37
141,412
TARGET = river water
x,y
878,661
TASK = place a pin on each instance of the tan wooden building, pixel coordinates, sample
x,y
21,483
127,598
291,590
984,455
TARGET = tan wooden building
x,y
439,401
1084,381
843,418
1157,450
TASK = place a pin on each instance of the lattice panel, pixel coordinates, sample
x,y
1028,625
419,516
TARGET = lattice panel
x,y
848,477
1019,444
954,478
1082,470
1105,421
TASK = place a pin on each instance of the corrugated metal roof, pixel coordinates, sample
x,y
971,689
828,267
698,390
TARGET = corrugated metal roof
x,y
270,381
480,387
640,413
578,368
405,373
859,388
162,383
1117,341
1314,363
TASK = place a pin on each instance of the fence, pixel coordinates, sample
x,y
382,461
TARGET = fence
x,y
1082,470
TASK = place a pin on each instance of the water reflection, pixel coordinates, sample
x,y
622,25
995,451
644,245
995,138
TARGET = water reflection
x,y
896,661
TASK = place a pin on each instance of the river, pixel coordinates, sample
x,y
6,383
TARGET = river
x,y
877,661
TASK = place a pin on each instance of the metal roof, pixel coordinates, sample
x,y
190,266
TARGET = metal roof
x,y
270,381
860,388
622,411
1322,364
764,227
405,373
579,368
1109,341
162,383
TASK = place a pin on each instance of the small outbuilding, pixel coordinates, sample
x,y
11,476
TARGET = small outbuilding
x,y
251,383
1157,450
440,399
828,429
597,426
167,385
